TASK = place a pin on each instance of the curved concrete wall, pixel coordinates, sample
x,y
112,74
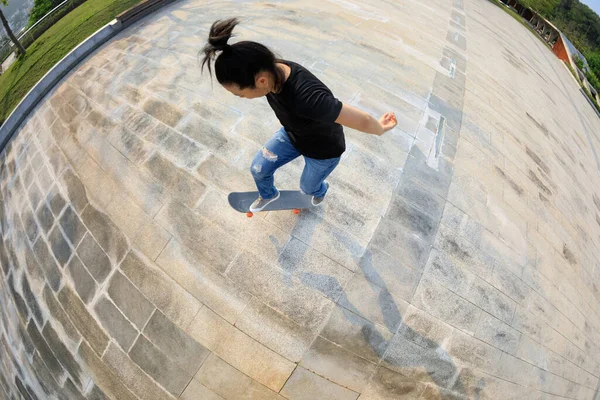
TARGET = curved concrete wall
x,y
454,257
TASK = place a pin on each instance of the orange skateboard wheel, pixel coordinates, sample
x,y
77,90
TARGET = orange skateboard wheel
x,y
296,211
249,214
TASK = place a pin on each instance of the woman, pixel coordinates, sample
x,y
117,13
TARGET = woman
x,y
311,116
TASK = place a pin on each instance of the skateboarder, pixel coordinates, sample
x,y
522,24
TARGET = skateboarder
x,y
311,116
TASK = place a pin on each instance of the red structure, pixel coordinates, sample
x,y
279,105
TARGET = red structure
x,y
560,50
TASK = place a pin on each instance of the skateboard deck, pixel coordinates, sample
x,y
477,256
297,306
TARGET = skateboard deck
x,y
288,200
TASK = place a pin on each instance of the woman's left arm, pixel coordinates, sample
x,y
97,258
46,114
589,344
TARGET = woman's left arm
x,y
354,118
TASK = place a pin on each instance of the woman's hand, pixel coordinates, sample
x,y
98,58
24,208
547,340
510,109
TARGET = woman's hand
x,y
388,121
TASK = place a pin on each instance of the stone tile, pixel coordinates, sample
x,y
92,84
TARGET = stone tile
x,y
304,384
182,185
210,136
182,349
182,150
104,189
422,364
83,282
255,360
421,198
274,330
442,267
209,329
72,226
301,304
75,190
175,302
509,284
222,175
72,391
103,375
210,245
115,323
440,302
45,217
126,176
94,258
59,245
60,316
129,144
81,318
110,238
423,329
356,334
407,217
495,332
374,303
62,354
337,365
400,244
130,374
156,364
464,254
389,385
513,369
42,347
56,201
129,300
532,352
314,269
230,383
197,391
387,272
492,300
47,262
162,111
528,324
31,300
151,239
213,290
137,121
126,215
473,351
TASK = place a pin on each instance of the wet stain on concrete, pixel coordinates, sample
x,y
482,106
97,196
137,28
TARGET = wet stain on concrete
x,y
518,189
569,256
537,160
596,201
534,178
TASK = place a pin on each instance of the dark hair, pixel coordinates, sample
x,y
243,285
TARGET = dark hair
x,y
240,62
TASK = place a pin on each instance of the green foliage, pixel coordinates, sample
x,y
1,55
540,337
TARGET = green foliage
x,y
578,62
41,8
593,80
52,46
544,7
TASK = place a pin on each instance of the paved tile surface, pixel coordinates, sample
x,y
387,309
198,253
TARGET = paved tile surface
x,y
456,256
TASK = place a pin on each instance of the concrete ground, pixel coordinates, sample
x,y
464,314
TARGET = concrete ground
x,y
455,257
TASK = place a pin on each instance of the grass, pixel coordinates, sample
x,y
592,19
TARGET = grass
x,y
52,46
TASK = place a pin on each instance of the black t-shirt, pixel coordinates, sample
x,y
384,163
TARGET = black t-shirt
x,y
307,110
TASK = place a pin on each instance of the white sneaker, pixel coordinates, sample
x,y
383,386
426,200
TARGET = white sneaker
x,y
260,203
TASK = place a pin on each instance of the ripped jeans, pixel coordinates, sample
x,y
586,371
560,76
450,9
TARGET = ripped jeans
x,y
279,151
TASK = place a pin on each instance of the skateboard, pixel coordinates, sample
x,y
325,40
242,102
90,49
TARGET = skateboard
x,y
288,200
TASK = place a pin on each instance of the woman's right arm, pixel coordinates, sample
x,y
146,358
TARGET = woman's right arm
x,y
357,119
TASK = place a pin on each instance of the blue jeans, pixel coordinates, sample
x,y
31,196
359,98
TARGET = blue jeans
x,y
279,151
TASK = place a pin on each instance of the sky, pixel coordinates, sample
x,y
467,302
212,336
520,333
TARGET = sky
x,y
593,4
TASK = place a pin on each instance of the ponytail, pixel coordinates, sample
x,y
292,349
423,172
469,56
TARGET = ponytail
x,y
219,35
238,63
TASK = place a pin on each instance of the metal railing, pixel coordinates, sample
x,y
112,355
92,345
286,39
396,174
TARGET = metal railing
x,y
28,35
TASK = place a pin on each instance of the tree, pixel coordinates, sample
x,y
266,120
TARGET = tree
x,y
11,35
41,8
